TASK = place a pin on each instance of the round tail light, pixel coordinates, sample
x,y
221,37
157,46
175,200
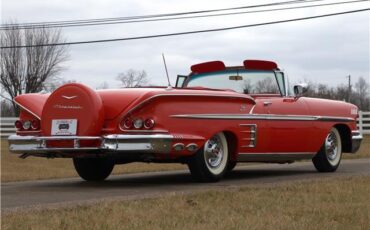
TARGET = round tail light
x,y
26,125
35,124
18,124
127,123
149,123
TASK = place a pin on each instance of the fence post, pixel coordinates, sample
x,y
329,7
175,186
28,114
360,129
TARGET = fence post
x,y
360,121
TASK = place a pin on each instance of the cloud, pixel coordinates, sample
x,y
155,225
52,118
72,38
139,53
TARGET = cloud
x,y
322,50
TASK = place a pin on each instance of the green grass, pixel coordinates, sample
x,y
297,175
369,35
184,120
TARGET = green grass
x,y
320,204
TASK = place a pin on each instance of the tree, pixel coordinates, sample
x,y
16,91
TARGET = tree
x,y
362,94
25,70
103,85
133,78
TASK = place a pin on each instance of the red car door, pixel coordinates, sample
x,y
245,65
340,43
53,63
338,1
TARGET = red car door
x,y
290,125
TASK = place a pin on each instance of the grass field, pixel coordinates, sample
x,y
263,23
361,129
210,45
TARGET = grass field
x,y
32,168
320,204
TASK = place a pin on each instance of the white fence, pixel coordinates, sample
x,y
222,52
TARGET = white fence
x,y
7,124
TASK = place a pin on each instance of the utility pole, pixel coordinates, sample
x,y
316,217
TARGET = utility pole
x,y
349,88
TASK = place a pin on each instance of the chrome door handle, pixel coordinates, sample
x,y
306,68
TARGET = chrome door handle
x,y
267,103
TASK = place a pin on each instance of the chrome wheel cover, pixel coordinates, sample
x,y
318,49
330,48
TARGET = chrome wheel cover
x,y
333,147
216,153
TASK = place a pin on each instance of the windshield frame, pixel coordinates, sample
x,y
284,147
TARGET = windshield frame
x,y
282,87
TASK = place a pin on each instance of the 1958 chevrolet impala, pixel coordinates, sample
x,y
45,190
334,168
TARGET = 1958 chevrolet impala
x,y
215,117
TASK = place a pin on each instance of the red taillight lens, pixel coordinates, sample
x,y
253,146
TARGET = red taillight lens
x,y
127,123
18,124
35,124
149,123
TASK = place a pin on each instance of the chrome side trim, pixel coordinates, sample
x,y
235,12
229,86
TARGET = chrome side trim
x,y
29,111
263,117
274,157
252,138
251,111
144,131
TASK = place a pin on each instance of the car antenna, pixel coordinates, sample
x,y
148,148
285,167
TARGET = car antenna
x,y
168,77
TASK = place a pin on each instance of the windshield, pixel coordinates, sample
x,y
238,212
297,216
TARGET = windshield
x,y
242,81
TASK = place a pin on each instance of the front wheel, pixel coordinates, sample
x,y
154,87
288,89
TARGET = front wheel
x,y
330,154
209,164
93,169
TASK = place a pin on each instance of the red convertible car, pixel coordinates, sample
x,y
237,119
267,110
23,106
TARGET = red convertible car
x,y
215,117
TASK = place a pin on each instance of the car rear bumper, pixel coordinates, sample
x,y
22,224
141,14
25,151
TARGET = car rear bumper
x,y
38,145
356,141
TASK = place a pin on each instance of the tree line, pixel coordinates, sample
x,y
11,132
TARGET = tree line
x,y
358,94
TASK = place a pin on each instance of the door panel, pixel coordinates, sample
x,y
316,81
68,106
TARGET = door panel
x,y
292,130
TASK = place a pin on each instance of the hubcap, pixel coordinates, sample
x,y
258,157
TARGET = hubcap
x,y
331,147
214,153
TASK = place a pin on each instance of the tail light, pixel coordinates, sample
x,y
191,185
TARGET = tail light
x,y
149,123
137,123
35,124
127,123
18,124
27,125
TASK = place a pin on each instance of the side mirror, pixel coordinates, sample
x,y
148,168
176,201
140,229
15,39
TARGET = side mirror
x,y
300,89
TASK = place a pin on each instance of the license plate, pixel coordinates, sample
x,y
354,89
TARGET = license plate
x,y
65,127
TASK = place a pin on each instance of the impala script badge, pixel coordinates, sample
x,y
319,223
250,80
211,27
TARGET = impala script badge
x,y
68,107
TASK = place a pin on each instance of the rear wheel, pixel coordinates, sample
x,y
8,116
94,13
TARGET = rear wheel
x,y
330,154
231,165
93,169
209,164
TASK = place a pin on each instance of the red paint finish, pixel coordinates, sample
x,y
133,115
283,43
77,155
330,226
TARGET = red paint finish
x,y
208,67
74,101
259,65
283,124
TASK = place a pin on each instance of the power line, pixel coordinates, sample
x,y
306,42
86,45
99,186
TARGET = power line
x,y
189,32
190,17
155,15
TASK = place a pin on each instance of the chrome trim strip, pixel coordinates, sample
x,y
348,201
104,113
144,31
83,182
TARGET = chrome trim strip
x,y
263,117
274,157
29,111
251,111
145,131
39,138
155,143
252,135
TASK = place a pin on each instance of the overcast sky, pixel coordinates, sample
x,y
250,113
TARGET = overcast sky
x,y
322,50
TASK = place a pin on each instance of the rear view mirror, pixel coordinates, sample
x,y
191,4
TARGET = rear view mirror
x,y
300,89
235,78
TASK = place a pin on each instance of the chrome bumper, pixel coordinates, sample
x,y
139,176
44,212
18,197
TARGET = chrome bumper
x,y
356,141
35,145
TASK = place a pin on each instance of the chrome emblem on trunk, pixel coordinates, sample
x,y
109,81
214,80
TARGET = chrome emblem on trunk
x,y
68,98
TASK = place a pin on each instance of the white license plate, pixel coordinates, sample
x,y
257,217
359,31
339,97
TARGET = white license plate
x,y
65,127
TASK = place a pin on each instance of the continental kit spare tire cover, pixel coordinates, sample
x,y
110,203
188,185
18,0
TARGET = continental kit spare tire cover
x,y
74,103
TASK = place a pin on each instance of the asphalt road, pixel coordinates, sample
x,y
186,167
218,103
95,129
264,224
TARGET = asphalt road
x,y
65,192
